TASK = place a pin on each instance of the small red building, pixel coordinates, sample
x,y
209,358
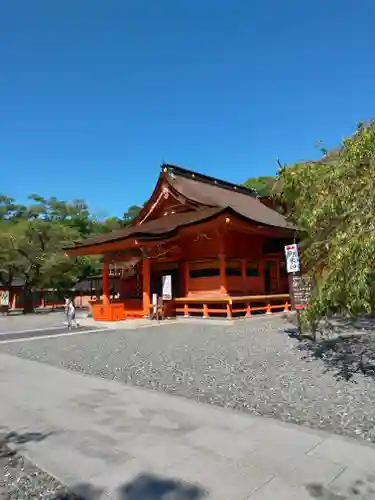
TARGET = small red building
x,y
220,246
40,298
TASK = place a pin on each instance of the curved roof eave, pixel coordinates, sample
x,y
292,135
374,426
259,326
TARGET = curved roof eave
x,y
157,230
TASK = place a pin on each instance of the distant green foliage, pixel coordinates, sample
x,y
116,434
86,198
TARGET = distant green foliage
x,y
131,213
32,237
263,185
332,201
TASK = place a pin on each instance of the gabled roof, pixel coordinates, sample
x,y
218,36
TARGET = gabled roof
x,y
206,191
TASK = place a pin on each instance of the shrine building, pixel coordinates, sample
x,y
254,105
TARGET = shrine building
x,y
220,247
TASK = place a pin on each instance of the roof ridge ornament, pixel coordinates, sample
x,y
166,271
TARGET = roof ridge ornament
x,y
169,171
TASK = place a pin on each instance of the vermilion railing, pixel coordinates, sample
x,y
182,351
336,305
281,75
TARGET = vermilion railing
x,y
226,306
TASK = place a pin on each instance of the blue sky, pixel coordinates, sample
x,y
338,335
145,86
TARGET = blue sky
x,y
96,94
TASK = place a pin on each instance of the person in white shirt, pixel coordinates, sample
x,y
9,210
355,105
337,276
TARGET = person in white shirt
x,y
70,311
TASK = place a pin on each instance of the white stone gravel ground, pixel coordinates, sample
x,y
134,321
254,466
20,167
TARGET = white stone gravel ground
x,y
253,366
22,480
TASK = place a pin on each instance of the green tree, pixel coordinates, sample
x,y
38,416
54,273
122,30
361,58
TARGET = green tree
x,y
32,238
131,213
110,224
9,258
36,246
9,209
75,214
10,212
332,202
263,185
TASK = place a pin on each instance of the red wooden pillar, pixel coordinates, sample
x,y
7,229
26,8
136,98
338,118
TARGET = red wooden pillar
x,y
105,284
223,274
223,267
262,268
205,311
185,277
243,275
229,311
146,286
12,299
278,264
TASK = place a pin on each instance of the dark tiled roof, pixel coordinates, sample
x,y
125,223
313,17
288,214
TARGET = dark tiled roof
x,y
212,194
15,282
154,228
207,179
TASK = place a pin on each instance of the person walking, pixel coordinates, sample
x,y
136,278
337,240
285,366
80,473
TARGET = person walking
x,y
70,311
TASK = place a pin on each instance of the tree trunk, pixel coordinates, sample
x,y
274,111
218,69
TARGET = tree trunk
x,y
28,306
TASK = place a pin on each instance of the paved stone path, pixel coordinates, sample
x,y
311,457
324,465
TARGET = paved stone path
x,y
52,332
252,365
130,443
50,319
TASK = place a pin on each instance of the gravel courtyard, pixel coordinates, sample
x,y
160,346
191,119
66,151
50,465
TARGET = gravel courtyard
x,y
252,366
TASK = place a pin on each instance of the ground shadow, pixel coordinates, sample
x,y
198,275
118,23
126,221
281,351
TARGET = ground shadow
x,y
81,492
17,438
348,325
345,356
22,479
363,489
346,346
336,325
151,487
143,487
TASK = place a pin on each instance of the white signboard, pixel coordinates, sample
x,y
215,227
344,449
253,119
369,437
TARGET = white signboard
x,y
167,287
4,298
154,302
292,258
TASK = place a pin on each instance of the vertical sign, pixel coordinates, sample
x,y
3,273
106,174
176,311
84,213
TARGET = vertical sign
x,y
167,287
299,286
292,258
4,298
301,291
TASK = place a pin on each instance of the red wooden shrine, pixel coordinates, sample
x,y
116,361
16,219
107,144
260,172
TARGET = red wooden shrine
x,y
222,247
